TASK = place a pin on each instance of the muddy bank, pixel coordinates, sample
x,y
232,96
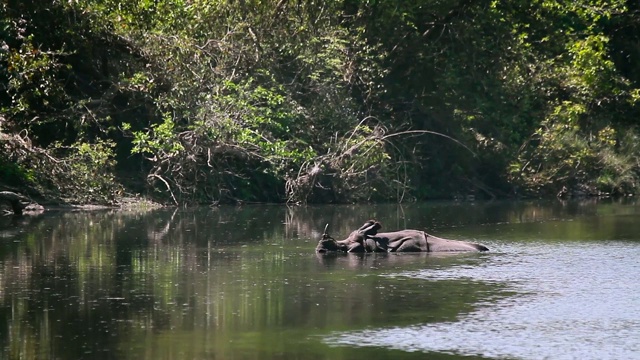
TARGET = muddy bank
x,y
13,202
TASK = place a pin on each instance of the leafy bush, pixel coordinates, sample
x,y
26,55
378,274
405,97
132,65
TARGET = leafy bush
x,y
320,101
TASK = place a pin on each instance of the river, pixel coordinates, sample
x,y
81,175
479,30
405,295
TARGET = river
x,y
560,282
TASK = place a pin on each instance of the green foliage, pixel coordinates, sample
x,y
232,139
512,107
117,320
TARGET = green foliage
x,y
576,147
32,83
305,101
157,142
16,175
89,172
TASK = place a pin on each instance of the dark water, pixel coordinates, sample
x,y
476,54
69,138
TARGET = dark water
x,y
561,282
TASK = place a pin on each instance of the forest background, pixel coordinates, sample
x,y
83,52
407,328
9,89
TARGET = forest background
x,y
212,101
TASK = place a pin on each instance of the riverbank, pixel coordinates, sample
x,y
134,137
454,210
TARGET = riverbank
x,y
14,202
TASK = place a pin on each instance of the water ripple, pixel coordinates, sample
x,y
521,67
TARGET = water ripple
x,y
572,302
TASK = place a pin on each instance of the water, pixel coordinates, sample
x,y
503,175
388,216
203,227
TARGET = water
x,y
560,282
581,305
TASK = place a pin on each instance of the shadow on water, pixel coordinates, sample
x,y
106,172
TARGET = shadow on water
x,y
245,283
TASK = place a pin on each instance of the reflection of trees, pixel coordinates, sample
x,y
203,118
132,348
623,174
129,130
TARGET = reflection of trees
x,y
436,216
56,276
309,221
89,275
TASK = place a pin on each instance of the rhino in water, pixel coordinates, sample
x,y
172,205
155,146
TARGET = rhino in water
x,y
368,239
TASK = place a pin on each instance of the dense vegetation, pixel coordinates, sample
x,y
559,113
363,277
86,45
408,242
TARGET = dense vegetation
x,y
203,101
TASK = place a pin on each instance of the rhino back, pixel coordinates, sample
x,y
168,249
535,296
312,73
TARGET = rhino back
x,y
403,240
437,244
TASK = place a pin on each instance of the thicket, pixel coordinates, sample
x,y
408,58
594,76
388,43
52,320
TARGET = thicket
x,y
203,101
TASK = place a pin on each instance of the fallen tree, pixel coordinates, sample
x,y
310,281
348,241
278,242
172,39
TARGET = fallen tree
x,y
18,202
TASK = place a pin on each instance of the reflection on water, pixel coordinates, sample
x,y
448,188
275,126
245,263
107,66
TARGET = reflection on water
x,y
573,302
245,283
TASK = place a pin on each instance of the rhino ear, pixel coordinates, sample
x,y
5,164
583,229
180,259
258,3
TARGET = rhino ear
x,y
366,225
371,228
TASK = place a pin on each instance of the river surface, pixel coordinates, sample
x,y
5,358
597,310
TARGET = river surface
x,y
561,282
